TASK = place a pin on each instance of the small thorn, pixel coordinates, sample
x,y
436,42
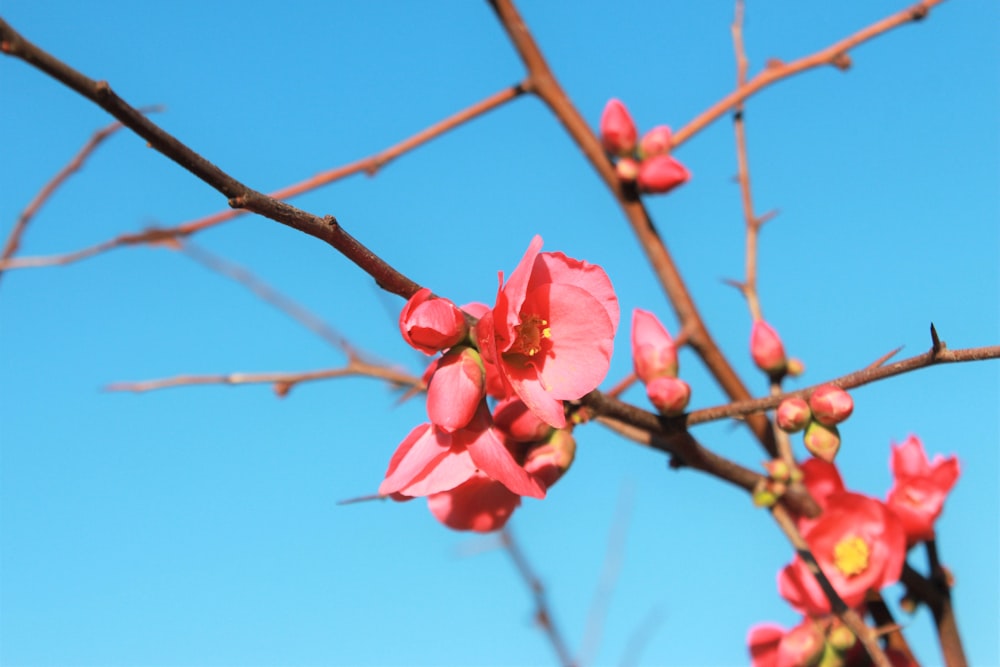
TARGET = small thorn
x,y
936,344
885,357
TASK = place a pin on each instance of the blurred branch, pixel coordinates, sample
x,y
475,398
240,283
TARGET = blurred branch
x,y
239,195
836,55
369,165
74,165
543,615
283,381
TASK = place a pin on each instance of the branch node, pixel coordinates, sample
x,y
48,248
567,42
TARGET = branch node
x,y
330,221
919,13
237,202
841,61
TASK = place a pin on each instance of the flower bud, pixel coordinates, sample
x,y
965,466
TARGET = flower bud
x,y
618,133
519,423
627,169
669,395
841,638
793,414
830,404
766,348
656,142
660,174
548,461
431,324
653,351
764,495
778,470
823,442
456,389
795,367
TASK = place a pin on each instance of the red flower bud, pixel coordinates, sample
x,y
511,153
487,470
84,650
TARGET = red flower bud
x,y
793,415
766,348
627,169
431,324
830,404
669,395
822,441
547,461
656,142
661,173
618,133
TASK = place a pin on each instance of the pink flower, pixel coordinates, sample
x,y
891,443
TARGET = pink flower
x,y
431,460
519,423
653,350
830,404
618,133
431,324
860,546
552,331
479,504
656,142
920,487
766,348
548,461
669,395
457,386
660,174
822,480
773,646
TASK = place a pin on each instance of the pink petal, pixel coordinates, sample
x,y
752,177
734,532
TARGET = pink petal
x,y
511,296
496,462
527,385
480,504
555,267
425,463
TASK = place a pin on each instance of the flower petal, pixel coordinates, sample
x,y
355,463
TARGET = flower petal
x,y
480,504
496,462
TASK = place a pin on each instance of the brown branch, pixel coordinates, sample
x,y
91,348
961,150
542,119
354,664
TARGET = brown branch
x,y
238,195
283,381
74,165
835,55
943,611
543,615
370,165
542,82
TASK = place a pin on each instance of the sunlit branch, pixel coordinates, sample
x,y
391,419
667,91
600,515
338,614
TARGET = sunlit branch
x,y
369,165
74,165
238,195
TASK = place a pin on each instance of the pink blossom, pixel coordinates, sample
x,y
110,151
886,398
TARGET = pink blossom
x,y
455,389
830,404
822,480
430,323
548,461
519,423
661,173
793,414
431,460
479,504
669,395
656,142
618,132
919,488
773,646
653,350
551,333
860,546
766,348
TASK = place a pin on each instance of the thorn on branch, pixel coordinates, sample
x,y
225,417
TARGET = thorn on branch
x,y
936,344
919,13
331,221
773,63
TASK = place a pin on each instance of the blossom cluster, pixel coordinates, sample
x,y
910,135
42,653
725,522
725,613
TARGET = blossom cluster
x,y
654,358
860,544
548,339
646,162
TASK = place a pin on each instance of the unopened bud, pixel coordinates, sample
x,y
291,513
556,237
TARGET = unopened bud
x,y
763,495
456,389
431,324
778,470
830,404
514,418
655,142
841,638
669,395
793,414
766,348
618,133
627,169
795,367
653,351
661,173
822,441
548,461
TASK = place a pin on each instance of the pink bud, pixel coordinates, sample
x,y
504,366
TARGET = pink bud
x,y
548,461
456,389
669,395
656,142
618,133
514,418
793,414
627,169
823,442
653,351
778,470
831,405
661,173
766,348
431,324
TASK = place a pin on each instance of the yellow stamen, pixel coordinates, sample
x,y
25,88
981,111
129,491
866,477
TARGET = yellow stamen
x,y
850,555
530,333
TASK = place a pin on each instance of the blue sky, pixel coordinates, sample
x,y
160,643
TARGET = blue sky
x,y
200,526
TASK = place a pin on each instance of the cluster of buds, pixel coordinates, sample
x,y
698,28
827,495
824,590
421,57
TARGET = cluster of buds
x,y
828,405
859,542
768,352
547,340
779,475
654,357
645,162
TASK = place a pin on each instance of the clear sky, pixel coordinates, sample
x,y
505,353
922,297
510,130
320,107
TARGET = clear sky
x,y
200,526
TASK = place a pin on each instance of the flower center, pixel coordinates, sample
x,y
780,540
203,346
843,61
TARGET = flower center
x,y
850,555
530,333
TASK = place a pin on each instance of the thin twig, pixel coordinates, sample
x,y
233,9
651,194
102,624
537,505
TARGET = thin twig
x,y
543,615
369,165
